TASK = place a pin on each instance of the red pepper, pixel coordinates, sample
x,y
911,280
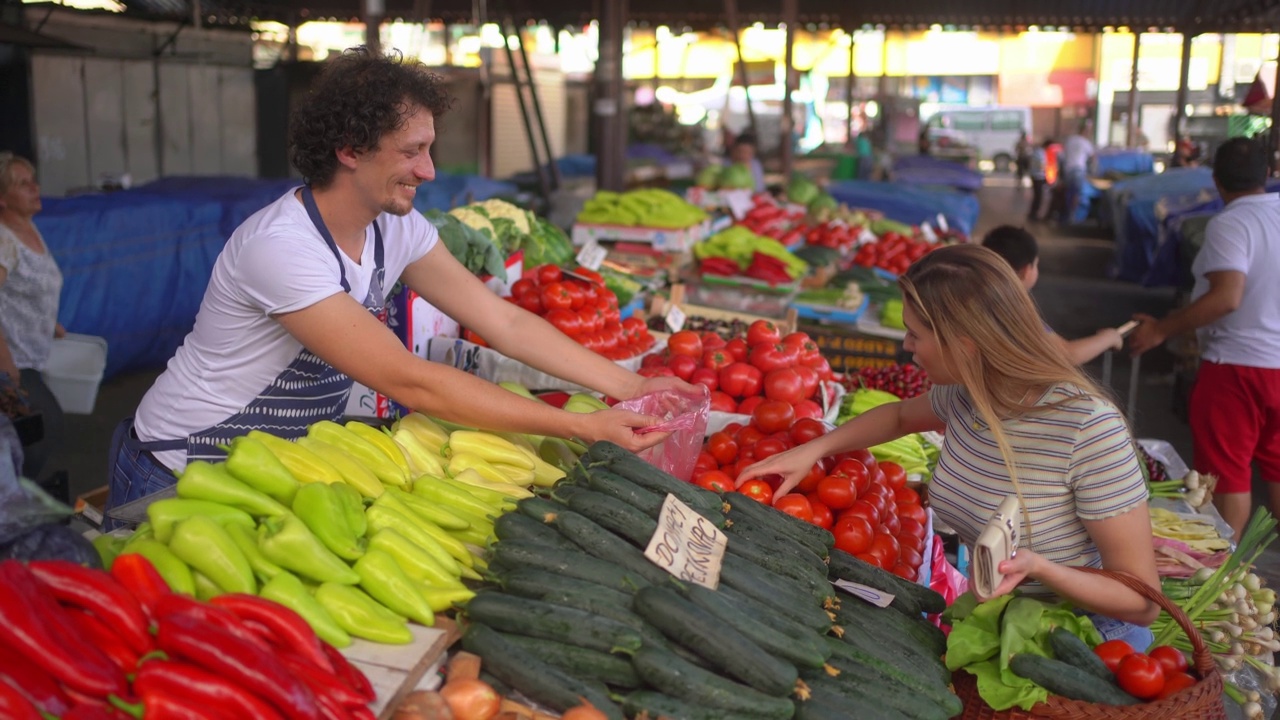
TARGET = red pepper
x,y
361,713
16,706
39,687
141,579
239,661
349,674
175,604
102,637
286,626
98,593
33,624
164,707
321,682
177,679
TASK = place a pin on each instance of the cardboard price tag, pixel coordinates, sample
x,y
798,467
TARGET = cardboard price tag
x,y
738,201
879,598
675,319
687,545
592,256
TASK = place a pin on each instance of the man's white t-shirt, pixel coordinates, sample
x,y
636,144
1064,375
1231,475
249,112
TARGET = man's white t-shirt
x,y
1244,237
1076,151
276,262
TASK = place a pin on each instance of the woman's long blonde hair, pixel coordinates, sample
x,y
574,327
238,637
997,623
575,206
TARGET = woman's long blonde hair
x,y
991,336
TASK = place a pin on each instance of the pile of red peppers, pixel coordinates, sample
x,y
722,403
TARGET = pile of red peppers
x,y
83,644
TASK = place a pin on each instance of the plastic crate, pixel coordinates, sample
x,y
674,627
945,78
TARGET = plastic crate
x,y
74,371
848,350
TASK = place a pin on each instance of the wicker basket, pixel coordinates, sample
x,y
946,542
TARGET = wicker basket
x,y
1202,701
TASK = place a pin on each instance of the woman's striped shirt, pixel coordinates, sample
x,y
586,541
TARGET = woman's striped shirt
x,y
1075,461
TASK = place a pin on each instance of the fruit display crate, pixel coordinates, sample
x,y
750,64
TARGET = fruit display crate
x,y
847,349
660,306
664,239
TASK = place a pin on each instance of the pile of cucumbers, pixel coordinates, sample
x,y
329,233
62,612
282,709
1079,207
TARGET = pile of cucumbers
x,y
576,611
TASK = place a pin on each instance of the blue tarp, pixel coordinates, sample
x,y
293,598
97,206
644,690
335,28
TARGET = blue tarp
x,y
1172,261
908,204
1124,161
924,171
1137,205
135,263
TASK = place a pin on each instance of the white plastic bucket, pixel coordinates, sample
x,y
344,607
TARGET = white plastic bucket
x,y
74,371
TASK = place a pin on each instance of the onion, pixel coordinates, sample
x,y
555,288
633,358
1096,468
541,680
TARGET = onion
x,y
471,699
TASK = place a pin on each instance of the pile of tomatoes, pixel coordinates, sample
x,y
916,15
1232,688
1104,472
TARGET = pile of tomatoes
x,y
580,306
893,252
865,504
744,372
1154,675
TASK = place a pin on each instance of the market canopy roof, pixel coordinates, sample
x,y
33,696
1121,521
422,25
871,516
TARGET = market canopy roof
x,y
1082,15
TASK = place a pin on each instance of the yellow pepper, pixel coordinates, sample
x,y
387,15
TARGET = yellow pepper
x,y
490,448
303,464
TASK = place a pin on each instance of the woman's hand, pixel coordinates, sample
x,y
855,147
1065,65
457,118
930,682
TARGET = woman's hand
x,y
1015,570
666,383
792,465
619,426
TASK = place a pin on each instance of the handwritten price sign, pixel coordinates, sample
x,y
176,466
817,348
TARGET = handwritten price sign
x,y
879,598
687,545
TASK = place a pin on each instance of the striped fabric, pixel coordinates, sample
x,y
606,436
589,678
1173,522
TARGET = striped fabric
x,y
1075,462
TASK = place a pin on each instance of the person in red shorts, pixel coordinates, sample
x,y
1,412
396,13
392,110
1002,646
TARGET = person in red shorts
x,y
1235,309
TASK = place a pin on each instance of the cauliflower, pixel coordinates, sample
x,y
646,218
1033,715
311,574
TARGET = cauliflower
x,y
500,209
471,218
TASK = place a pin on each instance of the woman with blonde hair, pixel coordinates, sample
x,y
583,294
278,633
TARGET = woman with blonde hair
x,y
1020,419
30,287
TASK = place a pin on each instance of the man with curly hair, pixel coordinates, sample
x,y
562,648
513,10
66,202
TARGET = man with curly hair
x,y
295,309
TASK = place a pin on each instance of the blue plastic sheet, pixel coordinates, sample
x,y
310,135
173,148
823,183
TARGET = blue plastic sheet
x,y
1137,205
1124,161
577,165
929,172
909,204
135,263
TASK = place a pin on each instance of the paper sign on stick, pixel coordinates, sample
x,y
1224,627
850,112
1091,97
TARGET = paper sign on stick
x,y
687,545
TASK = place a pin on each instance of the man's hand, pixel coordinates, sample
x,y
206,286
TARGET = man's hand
x,y
1146,336
619,426
58,330
14,374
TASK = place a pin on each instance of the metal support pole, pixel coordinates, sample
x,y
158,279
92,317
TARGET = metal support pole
x,y
1131,129
1135,366
543,184
1275,119
731,15
790,15
537,109
484,114
848,91
611,152
1180,111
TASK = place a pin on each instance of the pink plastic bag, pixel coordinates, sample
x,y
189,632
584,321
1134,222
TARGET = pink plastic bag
x,y
685,417
946,580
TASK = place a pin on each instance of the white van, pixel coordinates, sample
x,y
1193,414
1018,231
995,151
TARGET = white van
x,y
992,131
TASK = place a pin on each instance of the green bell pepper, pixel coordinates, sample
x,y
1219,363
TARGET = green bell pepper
x,y
251,462
353,508
287,542
319,507
166,514
416,562
206,481
385,582
202,544
247,540
206,589
362,616
289,591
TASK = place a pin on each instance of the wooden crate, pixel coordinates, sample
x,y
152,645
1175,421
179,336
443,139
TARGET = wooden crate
x,y
660,306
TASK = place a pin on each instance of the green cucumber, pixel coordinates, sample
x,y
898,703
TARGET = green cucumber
x,y
1069,681
798,574
826,704
896,651
536,618
815,619
856,611
603,544
579,662
604,451
847,567
570,563
654,480
768,538
613,485
538,508
776,592
724,647
871,700
517,527
525,672
844,654
810,535
615,515
667,673
537,584
1071,650
565,490
655,705
805,650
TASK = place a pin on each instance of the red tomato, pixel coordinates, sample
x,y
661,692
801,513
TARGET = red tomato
x,y
894,475
769,357
748,405
784,385
806,429
1170,658
1140,676
686,342
547,274
758,490
904,571
910,527
733,428
855,471
886,546
773,416
703,376
762,331
911,557
736,378
722,402
711,341
1174,683
566,321
795,505
891,524
796,339
809,483
1112,652
808,380
592,319
531,302
864,509
768,447
523,287
595,277
705,462
865,457
737,349
871,559
822,515
912,511
577,296
853,534
716,481
722,447
635,324
556,296
837,492
906,495
808,409
748,436
683,366
715,358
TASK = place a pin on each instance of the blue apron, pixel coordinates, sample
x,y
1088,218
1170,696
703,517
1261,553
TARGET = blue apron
x,y
307,391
